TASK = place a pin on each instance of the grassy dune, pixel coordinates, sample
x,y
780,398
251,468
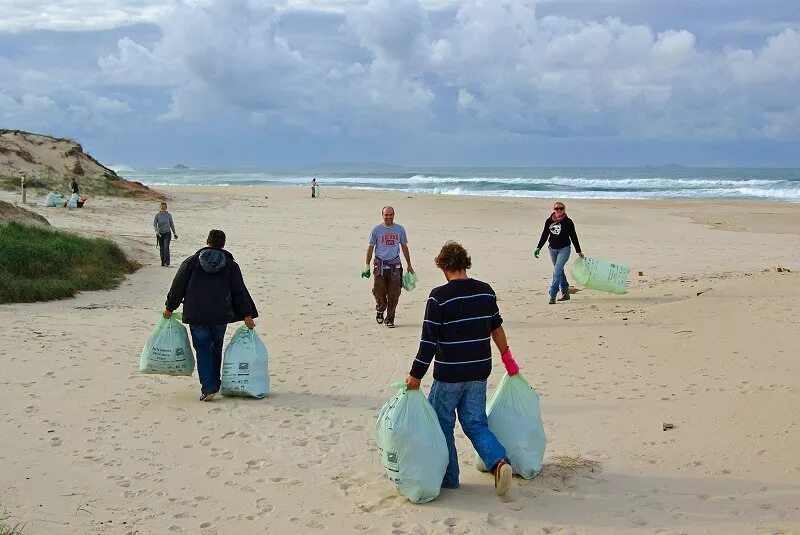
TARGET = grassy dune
x,y
38,264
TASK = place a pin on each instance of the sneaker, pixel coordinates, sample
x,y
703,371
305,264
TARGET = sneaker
x,y
390,324
502,478
564,297
552,301
207,397
379,317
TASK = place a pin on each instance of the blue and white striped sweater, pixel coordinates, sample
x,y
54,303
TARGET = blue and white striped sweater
x,y
456,332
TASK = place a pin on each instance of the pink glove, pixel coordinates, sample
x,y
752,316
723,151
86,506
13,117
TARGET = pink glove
x,y
511,365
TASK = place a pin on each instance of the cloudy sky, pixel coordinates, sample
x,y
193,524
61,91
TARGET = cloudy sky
x,y
418,82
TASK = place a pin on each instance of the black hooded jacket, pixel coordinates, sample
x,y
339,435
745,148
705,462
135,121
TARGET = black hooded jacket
x,y
211,287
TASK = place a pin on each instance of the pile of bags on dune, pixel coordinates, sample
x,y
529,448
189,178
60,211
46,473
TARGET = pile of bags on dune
x,y
245,370
56,199
412,446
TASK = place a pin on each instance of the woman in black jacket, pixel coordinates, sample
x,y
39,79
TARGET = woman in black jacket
x,y
560,231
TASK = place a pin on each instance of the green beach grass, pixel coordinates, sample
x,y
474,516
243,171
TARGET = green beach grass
x,y
8,529
38,264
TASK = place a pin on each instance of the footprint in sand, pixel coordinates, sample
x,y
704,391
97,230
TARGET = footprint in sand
x,y
263,506
214,472
208,528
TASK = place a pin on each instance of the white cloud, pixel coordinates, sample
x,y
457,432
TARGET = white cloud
x,y
489,66
77,15
41,102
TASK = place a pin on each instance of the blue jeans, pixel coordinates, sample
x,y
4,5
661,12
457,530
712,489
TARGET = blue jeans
x,y
469,399
166,237
559,258
207,342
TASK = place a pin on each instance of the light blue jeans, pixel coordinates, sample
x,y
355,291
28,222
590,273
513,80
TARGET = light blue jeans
x,y
469,399
559,258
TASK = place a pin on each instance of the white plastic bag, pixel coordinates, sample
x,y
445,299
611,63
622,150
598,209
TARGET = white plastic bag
x,y
245,369
167,350
411,445
54,199
516,421
601,275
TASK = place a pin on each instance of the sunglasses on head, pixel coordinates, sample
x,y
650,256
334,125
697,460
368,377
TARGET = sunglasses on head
x,y
559,208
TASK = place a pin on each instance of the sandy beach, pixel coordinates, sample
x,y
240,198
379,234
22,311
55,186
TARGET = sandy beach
x,y
706,339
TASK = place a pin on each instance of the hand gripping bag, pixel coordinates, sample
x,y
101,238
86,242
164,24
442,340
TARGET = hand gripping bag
x,y
516,421
411,445
409,281
244,366
601,275
167,350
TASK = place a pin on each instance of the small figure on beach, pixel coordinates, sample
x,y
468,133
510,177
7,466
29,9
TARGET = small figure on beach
x,y
210,285
314,187
559,230
73,186
386,240
461,318
165,229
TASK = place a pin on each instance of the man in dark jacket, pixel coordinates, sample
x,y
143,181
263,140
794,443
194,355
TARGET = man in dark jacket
x,y
211,287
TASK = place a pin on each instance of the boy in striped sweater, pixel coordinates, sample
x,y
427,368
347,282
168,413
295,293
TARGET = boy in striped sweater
x,y
461,321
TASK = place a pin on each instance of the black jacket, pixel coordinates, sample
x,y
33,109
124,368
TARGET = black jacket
x,y
559,234
210,285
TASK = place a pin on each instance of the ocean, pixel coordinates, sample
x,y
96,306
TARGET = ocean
x,y
550,183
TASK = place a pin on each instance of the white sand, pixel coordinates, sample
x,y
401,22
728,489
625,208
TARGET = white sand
x,y
88,445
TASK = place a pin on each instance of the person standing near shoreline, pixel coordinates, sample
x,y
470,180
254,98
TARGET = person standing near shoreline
x,y
386,240
559,230
165,228
314,187
461,321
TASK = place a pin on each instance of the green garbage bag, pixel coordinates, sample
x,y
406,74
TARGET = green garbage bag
x,y
244,366
167,350
601,275
411,444
54,199
516,421
409,281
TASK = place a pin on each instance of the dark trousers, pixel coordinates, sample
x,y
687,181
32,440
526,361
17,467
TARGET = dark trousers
x,y
207,341
163,247
386,289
